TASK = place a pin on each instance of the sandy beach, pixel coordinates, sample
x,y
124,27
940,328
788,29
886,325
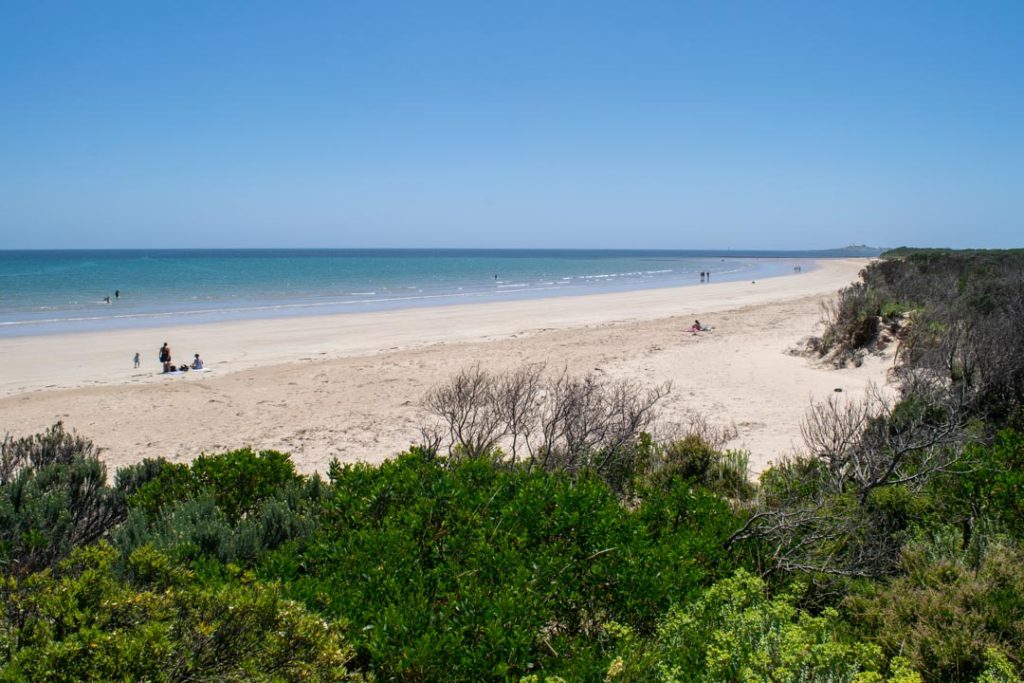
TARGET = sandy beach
x,y
349,386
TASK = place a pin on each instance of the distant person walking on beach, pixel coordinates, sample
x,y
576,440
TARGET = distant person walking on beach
x,y
136,360
117,293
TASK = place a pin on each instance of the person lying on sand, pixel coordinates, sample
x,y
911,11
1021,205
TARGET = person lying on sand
x,y
697,327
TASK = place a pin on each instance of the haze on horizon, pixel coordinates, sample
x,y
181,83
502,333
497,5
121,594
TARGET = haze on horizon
x,y
549,125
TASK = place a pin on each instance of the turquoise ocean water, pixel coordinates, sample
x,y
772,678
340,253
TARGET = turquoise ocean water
x,y
59,291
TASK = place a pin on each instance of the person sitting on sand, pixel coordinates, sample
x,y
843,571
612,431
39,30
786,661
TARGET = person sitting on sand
x,y
197,363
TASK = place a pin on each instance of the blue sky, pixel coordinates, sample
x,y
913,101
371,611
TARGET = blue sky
x,y
551,124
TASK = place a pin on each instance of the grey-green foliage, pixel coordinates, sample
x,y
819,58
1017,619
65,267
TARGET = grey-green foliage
x,y
55,446
53,497
198,527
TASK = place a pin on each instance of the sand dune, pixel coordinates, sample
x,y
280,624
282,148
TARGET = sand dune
x,y
349,386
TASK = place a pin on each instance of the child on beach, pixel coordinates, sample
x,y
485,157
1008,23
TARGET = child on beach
x,y
136,359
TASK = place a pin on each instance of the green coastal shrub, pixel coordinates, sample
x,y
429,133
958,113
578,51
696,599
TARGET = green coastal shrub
x,y
958,315
988,483
238,480
736,632
195,513
467,571
950,619
692,458
998,669
54,497
81,623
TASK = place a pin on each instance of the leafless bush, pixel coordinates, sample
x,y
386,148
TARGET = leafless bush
x,y
816,511
468,405
592,422
556,421
832,431
881,442
431,438
519,398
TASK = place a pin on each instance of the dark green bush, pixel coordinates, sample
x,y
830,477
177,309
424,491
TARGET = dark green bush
x,y
988,483
238,480
471,572
241,480
693,459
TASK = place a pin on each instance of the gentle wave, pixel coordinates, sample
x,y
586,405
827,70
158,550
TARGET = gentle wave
x,y
43,292
247,309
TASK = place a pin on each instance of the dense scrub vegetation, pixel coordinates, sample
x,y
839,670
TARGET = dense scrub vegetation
x,y
539,533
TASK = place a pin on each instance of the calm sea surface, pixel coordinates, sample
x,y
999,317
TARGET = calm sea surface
x,y
59,291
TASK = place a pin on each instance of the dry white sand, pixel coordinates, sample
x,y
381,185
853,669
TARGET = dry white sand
x,y
349,386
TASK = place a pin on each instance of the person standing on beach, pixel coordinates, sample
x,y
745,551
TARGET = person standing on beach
x,y
117,293
165,356
136,360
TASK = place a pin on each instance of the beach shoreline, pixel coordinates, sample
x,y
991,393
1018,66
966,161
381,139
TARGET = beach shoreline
x,y
348,386
64,292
